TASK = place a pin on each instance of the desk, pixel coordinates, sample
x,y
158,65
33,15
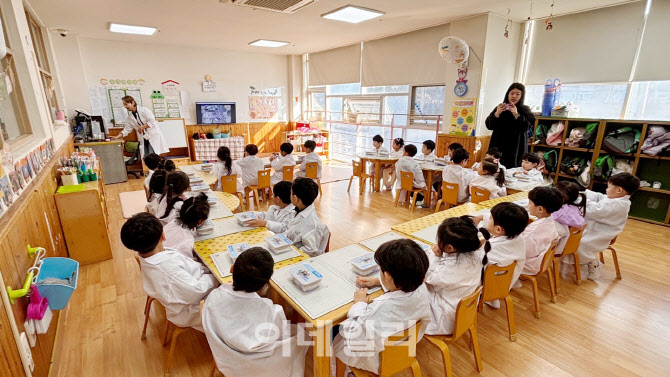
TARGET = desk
x,y
207,176
430,169
377,161
518,185
508,198
229,200
111,159
299,156
413,226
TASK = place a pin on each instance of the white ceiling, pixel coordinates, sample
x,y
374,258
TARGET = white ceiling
x,y
209,23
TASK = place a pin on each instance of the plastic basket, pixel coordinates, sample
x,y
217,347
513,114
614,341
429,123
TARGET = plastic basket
x,y
60,268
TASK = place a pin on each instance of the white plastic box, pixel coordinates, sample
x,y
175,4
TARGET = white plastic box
x,y
305,277
278,243
195,179
190,174
206,228
236,249
243,217
364,265
198,187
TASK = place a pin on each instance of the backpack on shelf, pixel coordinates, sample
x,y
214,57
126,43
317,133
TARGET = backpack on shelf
x,y
575,138
622,166
603,169
584,178
550,160
555,133
541,134
573,165
657,142
590,136
622,140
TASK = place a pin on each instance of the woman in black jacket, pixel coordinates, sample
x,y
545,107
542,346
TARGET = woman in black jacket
x,y
510,122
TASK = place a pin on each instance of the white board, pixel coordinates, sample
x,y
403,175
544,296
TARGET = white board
x,y
173,132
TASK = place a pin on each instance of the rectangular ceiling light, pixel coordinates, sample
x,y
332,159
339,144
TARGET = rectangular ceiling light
x,y
352,14
267,43
130,29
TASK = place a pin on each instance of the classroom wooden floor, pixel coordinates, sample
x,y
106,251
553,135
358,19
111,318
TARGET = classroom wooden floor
x,y
610,328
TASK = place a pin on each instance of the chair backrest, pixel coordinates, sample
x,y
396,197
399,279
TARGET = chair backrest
x,y
406,180
399,351
466,313
311,170
479,195
548,256
613,240
288,173
264,178
137,259
497,281
358,168
131,146
574,238
229,183
450,193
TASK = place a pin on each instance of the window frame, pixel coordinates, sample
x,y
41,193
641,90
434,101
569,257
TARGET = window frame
x,y
47,79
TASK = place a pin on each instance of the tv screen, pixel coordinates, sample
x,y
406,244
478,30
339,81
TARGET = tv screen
x,y
215,112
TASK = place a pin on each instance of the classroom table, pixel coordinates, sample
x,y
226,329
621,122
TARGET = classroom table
x,y
410,227
507,198
299,156
377,161
232,202
519,185
430,169
207,176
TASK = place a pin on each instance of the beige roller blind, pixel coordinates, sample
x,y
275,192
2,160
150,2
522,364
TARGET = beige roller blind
x,y
653,62
410,58
337,66
588,47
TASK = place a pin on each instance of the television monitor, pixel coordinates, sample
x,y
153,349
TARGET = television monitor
x,y
215,112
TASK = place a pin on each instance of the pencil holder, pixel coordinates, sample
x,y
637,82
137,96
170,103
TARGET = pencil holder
x,y
69,179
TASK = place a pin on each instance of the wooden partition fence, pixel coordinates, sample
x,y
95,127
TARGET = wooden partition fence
x,y
468,142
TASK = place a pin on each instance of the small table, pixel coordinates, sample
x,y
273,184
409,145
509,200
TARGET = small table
x,y
508,198
430,168
377,161
206,176
410,227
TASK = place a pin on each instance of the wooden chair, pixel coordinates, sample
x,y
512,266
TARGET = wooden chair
x,y
570,248
147,306
449,196
478,195
229,185
496,285
545,267
614,258
311,172
407,184
399,354
259,189
328,244
361,175
288,173
174,331
466,321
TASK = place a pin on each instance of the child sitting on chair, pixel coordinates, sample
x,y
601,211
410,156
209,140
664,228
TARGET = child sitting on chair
x,y
450,150
456,172
538,235
495,155
403,265
181,231
176,281
225,167
249,166
490,178
280,213
156,189
529,168
306,231
571,213
388,173
311,156
151,161
278,161
237,319
173,197
409,165
427,151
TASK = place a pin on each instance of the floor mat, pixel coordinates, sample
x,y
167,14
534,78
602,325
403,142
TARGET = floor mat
x,y
132,202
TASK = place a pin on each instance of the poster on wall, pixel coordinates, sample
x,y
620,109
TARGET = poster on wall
x,y
463,117
170,88
263,107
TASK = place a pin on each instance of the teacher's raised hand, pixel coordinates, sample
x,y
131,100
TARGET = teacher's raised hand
x,y
502,107
512,109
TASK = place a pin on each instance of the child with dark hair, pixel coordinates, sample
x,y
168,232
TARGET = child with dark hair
x,y
450,150
493,154
156,189
491,178
167,165
456,173
571,213
306,231
225,167
311,156
151,161
409,165
538,235
280,213
181,231
278,161
455,270
378,145
388,172
428,151
233,333
403,265
529,168
173,197
249,166
606,216
176,281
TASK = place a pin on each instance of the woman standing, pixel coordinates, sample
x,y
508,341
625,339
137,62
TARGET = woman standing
x,y
510,122
144,123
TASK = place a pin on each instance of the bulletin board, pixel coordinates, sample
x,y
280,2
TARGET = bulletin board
x,y
115,97
463,116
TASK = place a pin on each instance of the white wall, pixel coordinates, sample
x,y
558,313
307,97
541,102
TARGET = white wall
x,y
232,71
71,73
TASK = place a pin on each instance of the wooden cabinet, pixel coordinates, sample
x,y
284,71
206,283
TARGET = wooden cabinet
x,y
83,217
468,143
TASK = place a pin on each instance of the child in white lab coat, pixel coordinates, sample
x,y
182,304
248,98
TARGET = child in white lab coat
x,y
529,168
151,161
167,165
311,156
450,150
491,178
571,213
455,270
173,197
427,151
506,222
225,167
606,216
176,281
237,319
249,166
538,235
456,172
156,189
403,265
181,231
280,213
277,162
306,231
408,164
378,145
388,171
493,154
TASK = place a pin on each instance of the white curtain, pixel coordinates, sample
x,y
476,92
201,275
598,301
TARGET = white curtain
x,y
337,66
653,63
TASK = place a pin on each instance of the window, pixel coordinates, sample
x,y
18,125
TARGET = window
x,y
650,100
594,100
13,119
368,109
395,110
43,65
334,108
317,105
428,100
343,89
386,89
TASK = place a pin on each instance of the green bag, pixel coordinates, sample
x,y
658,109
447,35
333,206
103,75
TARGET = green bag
x,y
550,160
573,165
603,169
590,136
622,140
541,133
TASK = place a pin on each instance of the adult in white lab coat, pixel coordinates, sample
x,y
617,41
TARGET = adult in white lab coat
x,y
144,123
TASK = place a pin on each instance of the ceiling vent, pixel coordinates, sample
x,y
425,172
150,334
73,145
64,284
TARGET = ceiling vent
x,y
281,6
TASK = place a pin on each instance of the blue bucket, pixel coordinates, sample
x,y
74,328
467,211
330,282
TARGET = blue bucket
x,y
60,268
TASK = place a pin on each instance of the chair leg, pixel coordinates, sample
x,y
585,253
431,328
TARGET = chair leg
x,y
557,271
602,258
397,197
173,345
168,327
146,304
438,205
361,185
416,369
239,196
536,298
552,289
511,326
616,263
475,349
350,180
213,371
147,314
446,358
413,203
256,202
578,271
318,181
340,368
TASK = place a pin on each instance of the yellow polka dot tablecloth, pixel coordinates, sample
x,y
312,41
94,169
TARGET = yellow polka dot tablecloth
x,y
205,175
509,198
416,225
229,200
211,246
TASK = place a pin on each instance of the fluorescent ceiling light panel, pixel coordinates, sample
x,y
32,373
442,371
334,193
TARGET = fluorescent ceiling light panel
x,y
352,14
267,43
130,29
